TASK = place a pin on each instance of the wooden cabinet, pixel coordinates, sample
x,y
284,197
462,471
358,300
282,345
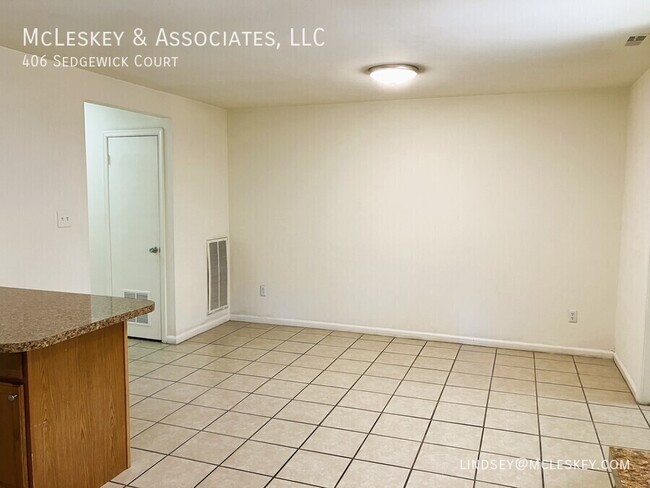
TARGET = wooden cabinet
x,y
13,449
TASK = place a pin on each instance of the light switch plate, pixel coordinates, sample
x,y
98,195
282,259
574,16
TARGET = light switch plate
x,y
63,219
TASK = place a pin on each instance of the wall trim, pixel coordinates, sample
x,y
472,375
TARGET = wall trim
x,y
194,331
431,336
627,377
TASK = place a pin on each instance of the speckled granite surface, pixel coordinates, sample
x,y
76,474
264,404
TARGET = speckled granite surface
x,y
638,476
32,319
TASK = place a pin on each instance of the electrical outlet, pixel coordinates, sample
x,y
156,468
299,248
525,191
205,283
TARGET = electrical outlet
x,y
262,290
63,219
573,316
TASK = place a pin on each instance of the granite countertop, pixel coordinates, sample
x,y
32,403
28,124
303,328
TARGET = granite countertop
x,y
33,319
638,474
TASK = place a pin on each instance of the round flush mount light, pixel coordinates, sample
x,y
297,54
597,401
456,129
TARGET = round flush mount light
x,y
393,74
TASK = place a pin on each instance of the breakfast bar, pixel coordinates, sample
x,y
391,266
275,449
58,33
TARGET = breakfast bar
x,y
64,410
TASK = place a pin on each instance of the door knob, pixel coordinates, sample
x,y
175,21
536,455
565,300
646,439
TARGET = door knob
x,y
154,250
11,398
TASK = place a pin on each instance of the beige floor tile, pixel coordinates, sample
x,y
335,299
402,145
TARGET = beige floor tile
x,y
181,392
334,441
209,448
237,424
414,407
433,363
413,389
227,365
401,426
281,388
261,405
266,344
133,399
396,359
549,365
511,444
333,378
154,409
284,433
365,400
231,478
246,353
613,398
171,373
423,479
594,360
376,384
422,375
313,362
219,398
512,401
604,383
141,368
193,417
479,357
326,351
292,348
174,472
295,373
461,414
399,348
599,370
454,435
621,436
241,382
215,350
470,367
138,425
466,396
205,377
311,413
446,460
523,422
575,430
266,370
505,472
322,394
387,371
561,392
508,385
516,361
162,438
559,451
438,352
351,419
475,348
387,450
362,474
279,357
147,386
558,378
514,372
258,457
369,345
469,380
162,357
193,361
554,356
564,408
349,366
360,354
562,478
314,468
332,340
449,345
141,461
632,417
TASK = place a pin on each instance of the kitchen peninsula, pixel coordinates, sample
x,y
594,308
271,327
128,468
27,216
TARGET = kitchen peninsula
x,y
64,411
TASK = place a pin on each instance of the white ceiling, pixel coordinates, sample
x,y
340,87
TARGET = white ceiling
x,y
465,46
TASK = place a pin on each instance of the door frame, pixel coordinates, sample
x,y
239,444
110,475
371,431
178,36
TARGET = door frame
x,y
158,132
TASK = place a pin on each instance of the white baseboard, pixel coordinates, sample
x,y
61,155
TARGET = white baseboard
x,y
628,378
430,336
210,324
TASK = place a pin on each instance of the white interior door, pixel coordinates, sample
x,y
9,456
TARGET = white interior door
x,y
135,225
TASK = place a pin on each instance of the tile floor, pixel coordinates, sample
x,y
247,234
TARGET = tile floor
x,y
252,405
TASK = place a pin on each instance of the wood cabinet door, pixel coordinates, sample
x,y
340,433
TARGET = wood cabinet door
x,y
13,459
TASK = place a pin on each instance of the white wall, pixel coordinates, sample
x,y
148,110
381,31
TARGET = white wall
x,y
483,216
633,316
42,169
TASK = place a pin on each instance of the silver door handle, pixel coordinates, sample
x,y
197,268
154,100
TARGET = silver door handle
x,y
12,398
154,250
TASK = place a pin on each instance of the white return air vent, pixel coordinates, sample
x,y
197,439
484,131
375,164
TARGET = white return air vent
x,y
217,274
138,295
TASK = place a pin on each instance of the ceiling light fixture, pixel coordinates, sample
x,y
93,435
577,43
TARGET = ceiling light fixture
x,y
393,74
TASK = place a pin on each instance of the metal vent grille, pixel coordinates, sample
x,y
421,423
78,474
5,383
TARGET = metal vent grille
x,y
138,295
635,40
217,275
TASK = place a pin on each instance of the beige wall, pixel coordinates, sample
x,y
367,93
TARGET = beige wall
x,y
483,217
633,317
42,170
